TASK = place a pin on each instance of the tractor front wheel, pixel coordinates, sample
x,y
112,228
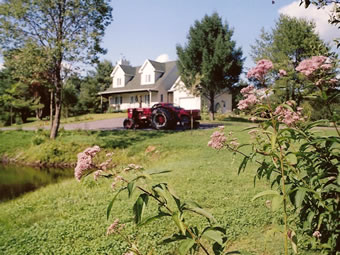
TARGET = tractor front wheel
x,y
128,124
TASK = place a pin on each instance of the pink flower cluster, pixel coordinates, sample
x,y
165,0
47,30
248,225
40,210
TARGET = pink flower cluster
x,y
115,227
260,70
317,234
282,72
288,116
251,96
85,161
217,139
309,66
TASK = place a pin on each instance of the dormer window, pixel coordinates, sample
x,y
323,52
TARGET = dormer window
x,y
119,81
147,78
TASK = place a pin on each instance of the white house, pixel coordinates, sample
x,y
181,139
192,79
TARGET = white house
x,y
152,83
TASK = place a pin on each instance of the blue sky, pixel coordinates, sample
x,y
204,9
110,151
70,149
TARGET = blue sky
x,y
149,28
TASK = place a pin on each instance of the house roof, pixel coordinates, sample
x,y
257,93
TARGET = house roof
x,y
128,69
167,79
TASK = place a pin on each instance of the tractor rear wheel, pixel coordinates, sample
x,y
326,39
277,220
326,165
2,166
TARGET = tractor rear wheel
x,y
161,119
128,124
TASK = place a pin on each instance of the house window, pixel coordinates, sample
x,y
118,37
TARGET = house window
x,y
119,81
132,100
147,99
148,78
136,99
161,97
120,100
116,100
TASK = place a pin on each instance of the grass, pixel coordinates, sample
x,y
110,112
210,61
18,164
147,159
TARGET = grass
x,y
70,217
33,122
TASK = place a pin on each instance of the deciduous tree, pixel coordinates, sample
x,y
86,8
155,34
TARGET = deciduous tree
x,y
69,31
287,44
210,62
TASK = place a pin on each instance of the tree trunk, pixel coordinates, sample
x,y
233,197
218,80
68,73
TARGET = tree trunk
x,y
51,107
211,107
57,114
57,100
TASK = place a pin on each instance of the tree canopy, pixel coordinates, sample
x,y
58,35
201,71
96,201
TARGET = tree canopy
x,y
287,44
68,31
210,62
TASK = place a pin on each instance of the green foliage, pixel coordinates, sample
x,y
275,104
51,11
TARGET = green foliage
x,y
96,81
287,44
66,31
210,62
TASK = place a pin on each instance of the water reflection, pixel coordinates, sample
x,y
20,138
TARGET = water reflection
x,y
16,180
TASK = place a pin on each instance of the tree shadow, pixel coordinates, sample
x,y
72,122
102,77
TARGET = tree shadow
x,y
125,138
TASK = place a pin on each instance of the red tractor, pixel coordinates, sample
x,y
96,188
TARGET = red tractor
x,y
162,116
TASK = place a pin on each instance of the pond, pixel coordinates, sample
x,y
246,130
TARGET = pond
x,y
16,180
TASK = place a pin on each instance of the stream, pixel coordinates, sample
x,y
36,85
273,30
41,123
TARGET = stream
x,y
16,180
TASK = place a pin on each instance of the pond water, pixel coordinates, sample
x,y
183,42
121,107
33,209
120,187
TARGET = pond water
x,y
16,180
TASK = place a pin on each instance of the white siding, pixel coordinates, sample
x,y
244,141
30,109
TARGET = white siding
x,y
185,99
119,75
148,74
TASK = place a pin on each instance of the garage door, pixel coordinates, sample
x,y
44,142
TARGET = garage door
x,y
189,103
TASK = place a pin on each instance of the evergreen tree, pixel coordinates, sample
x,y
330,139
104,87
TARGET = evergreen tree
x,y
210,63
96,81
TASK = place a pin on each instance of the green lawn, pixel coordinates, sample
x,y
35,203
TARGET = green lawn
x,y
32,122
70,217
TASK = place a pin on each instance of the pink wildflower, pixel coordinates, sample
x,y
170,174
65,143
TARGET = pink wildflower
x,y
97,174
282,72
85,161
234,143
217,140
317,234
113,227
287,116
309,66
105,164
109,154
253,119
260,70
252,133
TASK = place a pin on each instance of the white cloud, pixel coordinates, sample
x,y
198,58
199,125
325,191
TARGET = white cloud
x,y
326,31
163,58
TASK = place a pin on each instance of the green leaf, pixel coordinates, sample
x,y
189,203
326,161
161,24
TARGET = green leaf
x,y
276,202
202,212
266,193
185,246
293,241
131,187
178,221
108,211
173,238
214,235
152,218
273,141
139,207
299,197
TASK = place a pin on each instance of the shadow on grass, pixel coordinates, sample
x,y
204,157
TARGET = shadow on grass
x,y
240,119
125,138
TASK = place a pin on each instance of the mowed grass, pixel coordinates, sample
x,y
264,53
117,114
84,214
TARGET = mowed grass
x,y
70,217
33,122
